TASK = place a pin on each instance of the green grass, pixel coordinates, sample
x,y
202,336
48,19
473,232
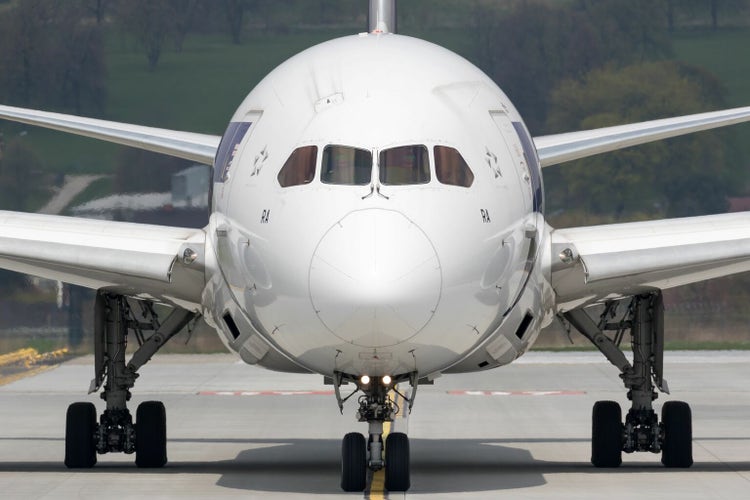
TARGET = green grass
x,y
97,189
199,88
725,54
195,90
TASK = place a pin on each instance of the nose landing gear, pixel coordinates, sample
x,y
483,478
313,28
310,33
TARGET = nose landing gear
x,y
378,409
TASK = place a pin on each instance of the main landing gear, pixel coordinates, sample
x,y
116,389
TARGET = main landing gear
x,y
377,408
641,431
115,431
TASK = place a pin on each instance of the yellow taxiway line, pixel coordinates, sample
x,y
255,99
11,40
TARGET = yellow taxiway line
x,y
377,485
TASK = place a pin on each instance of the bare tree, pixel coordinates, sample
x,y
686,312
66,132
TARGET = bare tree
x,y
150,21
183,12
50,55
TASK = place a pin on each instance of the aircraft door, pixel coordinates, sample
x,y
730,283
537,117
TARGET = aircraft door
x,y
527,234
516,151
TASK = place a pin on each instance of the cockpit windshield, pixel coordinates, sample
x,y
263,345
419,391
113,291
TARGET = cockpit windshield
x,y
398,166
346,165
405,165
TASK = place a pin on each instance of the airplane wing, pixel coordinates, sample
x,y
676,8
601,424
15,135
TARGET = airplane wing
x,y
559,148
161,263
200,148
592,264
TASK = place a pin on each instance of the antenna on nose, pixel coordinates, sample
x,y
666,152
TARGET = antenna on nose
x,y
382,16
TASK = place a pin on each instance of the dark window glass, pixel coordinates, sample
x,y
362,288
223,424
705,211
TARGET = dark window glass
x,y
299,168
404,165
534,168
451,168
228,149
346,165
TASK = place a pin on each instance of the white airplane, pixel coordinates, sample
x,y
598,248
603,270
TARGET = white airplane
x,y
377,218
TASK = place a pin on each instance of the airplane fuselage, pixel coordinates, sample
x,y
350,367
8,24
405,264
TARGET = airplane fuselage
x,y
377,218
377,210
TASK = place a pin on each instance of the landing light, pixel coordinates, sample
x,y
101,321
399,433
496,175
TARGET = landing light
x,y
386,380
364,380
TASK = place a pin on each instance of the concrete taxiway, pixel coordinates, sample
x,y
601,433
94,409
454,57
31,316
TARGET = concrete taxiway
x,y
517,432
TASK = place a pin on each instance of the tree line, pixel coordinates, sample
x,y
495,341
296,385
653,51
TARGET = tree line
x,y
590,63
567,65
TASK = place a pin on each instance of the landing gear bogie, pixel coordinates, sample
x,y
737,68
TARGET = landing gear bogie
x,y
116,432
642,431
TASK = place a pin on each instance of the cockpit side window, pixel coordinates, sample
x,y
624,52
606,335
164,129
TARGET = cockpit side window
x,y
404,165
451,168
299,167
346,165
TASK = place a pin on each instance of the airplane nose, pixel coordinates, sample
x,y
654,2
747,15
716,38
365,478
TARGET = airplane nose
x,y
375,279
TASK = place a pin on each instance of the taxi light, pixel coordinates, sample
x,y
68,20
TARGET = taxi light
x,y
386,380
364,380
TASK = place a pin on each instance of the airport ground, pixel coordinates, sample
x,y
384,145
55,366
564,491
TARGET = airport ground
x,y
517,432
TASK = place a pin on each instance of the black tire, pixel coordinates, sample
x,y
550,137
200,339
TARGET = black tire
x,y
397,462
353,462
80,440
606,434
677,449
151,435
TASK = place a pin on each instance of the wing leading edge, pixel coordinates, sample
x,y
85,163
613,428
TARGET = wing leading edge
x,y
592,264
559,148
156,262
200,148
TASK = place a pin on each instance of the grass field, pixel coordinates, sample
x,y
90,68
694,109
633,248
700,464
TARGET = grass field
x,y
725,53
199,88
